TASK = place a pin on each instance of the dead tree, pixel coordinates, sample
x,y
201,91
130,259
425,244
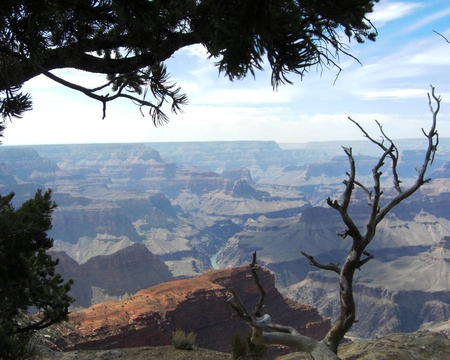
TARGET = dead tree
x,y
267,332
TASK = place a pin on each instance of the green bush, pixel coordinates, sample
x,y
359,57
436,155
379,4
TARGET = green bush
x,y
245,350
239,348
183,341
20,347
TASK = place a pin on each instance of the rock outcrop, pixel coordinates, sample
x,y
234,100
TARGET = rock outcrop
x,y
74,222
258,156
314,232
149,317
238,174
423,345
112,276
23,162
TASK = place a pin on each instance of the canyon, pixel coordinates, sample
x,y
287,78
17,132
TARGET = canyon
x,y
135,216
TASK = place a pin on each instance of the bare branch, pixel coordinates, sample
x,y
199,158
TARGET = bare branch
x,y
368,193
393,153
237,304
354,260
433,141
366,134
343,234
366,260
283,335
442,36
351,180
331,266
260,304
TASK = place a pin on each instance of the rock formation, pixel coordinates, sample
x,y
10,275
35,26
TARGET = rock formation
x,y
74,222
423,345
149,317
112,276
238,174
23,162
403,294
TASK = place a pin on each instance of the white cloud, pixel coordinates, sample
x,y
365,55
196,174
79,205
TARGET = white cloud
x,y
389,11
196,50
240,96
430,53
427,20
398,94
403,74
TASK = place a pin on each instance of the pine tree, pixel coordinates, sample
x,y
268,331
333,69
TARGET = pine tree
x,y
27,273
129,42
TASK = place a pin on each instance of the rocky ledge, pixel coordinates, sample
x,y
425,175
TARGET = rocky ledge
x,y
199,304
418,346
422,345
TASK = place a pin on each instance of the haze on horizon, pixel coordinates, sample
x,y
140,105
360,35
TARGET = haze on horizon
x,y
390,86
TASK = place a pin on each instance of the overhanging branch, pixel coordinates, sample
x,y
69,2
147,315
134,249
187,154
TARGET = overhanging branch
x,y
157,115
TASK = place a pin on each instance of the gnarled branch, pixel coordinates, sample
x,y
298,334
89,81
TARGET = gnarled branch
x,y
433,141
327,348
156,113
277,334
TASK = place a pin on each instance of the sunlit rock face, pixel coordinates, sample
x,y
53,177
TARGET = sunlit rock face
x,y
149,317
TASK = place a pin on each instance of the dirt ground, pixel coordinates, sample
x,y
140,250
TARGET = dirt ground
x,y
424,345
161,353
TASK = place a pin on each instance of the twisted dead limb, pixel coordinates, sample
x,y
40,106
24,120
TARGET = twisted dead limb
x,y
327,348
277,334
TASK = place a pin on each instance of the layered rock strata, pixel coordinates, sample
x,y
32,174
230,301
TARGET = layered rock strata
x,y
150,317
406,294
112,276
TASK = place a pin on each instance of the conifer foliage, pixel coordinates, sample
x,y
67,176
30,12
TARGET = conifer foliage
x,y
27,272
129,42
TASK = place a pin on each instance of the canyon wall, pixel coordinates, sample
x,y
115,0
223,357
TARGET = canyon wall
x,y
149,317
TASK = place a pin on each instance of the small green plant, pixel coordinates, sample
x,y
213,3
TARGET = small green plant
x,y
24,348
183,341
255,351
245,350
239,348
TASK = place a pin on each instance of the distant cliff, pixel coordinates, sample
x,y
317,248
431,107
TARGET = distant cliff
x,y
405,294
24,161
222,156
112,276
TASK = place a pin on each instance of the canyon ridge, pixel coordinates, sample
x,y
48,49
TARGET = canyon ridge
x,y
132,217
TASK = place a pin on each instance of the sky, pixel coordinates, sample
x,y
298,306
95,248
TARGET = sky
x,y
390,85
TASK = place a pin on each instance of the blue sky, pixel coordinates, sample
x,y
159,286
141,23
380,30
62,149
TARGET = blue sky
x,y
391,86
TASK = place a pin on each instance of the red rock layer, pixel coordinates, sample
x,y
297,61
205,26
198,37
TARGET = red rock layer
x,y
149,317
